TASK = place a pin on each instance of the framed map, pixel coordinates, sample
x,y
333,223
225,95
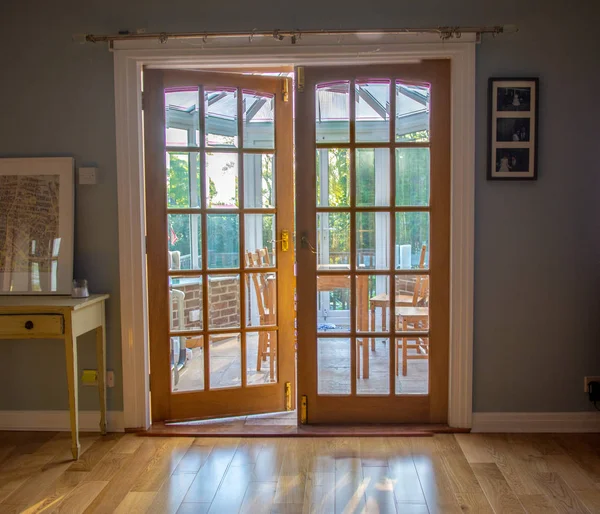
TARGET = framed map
x,y
36,226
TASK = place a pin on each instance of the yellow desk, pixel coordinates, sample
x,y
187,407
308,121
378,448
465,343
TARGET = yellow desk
x,y
66,318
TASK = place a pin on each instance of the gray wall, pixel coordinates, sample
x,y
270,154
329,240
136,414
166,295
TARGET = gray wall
x,y
537,246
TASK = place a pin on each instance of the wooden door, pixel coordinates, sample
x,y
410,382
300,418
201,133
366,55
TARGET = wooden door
x,y
373,199
218,160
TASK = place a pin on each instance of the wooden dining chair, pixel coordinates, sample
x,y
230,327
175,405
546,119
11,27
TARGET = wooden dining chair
x,y
403,299
264,288
414,317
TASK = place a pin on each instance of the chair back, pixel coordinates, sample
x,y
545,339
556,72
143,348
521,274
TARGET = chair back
x,y
265,298
421,292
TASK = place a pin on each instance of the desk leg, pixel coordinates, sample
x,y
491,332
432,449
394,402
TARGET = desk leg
x,y
101,363
71,358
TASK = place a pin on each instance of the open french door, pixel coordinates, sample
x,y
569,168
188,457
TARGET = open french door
x,y
219,222
373,218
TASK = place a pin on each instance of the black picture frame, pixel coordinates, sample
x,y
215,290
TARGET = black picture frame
x,y
513,128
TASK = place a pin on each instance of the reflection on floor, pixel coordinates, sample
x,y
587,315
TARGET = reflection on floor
x,y
125,473
333,372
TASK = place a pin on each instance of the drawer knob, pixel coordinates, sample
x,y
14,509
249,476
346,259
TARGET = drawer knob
x,y
29,325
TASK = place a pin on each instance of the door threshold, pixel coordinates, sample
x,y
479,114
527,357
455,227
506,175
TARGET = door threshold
x,y
284,424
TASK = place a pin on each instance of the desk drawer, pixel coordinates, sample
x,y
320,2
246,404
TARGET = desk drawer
x,y
33,325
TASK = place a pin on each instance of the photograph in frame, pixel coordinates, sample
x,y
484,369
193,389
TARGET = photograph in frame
x,y
36,226
513,129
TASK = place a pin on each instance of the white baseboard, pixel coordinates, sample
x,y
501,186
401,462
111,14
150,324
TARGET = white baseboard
x,y
536,422
58,420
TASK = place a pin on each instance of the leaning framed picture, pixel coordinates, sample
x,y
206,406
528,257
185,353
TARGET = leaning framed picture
x,y
36,226
513,129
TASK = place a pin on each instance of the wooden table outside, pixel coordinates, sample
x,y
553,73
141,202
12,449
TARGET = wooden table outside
x,y
331,282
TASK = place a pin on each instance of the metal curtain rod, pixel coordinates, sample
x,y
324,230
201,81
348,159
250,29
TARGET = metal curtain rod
x,y
295,35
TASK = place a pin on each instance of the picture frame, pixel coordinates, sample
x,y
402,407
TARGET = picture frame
x,y
36,225
513,128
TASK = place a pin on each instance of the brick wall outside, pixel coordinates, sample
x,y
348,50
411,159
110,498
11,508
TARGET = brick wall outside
x,y
224,301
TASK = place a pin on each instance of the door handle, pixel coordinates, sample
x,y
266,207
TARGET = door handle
x,y
285,240
305,243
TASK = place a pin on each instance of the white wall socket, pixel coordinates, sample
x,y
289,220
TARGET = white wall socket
x,y
110,379
88,176
587,380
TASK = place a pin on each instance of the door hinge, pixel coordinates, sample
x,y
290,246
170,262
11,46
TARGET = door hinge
x,y
146,244
149,382
143,101
300,79
285,92
288,396
303,410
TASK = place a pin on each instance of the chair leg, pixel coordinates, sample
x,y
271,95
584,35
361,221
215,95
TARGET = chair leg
x,y
259,351
272,353
404,356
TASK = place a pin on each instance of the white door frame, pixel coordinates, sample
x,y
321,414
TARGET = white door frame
x,y
131,56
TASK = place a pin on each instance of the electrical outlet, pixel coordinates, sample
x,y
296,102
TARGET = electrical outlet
x,y
87,175
110,379
89,377
587,380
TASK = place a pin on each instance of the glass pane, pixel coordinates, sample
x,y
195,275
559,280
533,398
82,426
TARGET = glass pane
x,y
221,180
412,176
412,112
181,116
261,299
373,240
188,353
412,240
412,365
333,240
183,187
185,298
259,181
333,366
185,241
260,234
333,177
372,303
261,357
223,240
333,112
372,366
372,177
225,360
412,302
221,117
259,120
372,110
333,303
224,301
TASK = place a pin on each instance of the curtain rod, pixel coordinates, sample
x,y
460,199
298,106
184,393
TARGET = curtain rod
x,y
294,35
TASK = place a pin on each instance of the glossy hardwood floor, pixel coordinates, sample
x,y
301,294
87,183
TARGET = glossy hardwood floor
x,y
441,474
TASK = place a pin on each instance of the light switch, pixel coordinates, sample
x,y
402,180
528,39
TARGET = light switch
x,y
87,176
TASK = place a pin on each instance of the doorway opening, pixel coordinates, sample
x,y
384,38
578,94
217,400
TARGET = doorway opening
x,y
224,336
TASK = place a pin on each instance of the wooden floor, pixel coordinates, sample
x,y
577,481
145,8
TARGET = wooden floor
x,y
441,474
